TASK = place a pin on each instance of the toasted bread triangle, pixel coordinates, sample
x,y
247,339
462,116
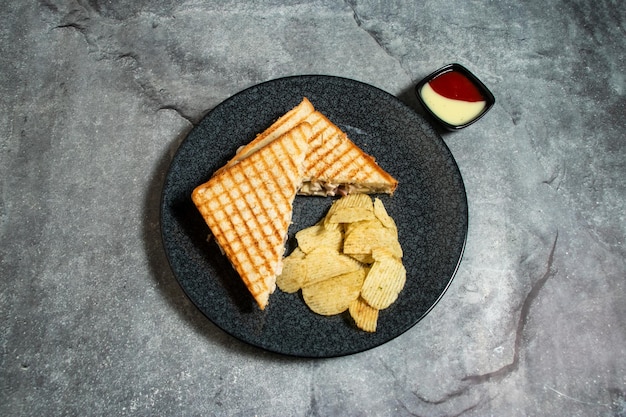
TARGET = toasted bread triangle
x,y
333,164
281,126
248,207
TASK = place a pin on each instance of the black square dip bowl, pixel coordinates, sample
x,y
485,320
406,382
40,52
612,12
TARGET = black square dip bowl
x,y
454,97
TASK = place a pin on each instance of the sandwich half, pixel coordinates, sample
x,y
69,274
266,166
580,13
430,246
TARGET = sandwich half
x,y
333,163
248,207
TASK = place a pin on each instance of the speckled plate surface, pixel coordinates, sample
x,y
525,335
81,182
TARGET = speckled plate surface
x,y
429,206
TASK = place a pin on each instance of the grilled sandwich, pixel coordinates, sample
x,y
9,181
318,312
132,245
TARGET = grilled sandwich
x,y
333,164
248,207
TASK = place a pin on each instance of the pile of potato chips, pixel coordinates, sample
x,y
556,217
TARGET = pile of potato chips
x,y
350,260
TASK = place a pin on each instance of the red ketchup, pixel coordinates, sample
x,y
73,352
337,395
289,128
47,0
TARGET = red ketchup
x,y
454,85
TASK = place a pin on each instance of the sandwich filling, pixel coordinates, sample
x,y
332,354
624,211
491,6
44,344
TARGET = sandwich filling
x,y
327,189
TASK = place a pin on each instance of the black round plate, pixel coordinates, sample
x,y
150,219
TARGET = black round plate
x,y
429,207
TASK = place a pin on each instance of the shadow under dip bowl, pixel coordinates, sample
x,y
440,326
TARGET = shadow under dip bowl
x,y
454,96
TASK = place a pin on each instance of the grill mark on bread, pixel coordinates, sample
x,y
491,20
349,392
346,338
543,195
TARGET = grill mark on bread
x,y
263,192
318,122
280,198
340,153
282,125
248,208
327,152
316,143
246,252
253,251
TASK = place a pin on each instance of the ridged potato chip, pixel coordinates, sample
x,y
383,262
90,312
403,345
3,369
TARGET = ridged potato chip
x,y
378,254
381,214
384,282
294,272
334,295
318,236
366,237
362,225
365,258
352,201
349,215
324,263
364,315
351,208
350,260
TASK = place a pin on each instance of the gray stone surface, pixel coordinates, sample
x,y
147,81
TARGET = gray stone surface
x,y
96,95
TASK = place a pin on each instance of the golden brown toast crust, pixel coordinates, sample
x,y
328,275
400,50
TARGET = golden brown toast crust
x,y
333,160
248,207
281,126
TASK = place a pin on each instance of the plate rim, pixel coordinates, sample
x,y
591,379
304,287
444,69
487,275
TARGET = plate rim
x,y
253,343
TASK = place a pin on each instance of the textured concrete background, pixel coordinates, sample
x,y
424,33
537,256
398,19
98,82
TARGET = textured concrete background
x,y
96,95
